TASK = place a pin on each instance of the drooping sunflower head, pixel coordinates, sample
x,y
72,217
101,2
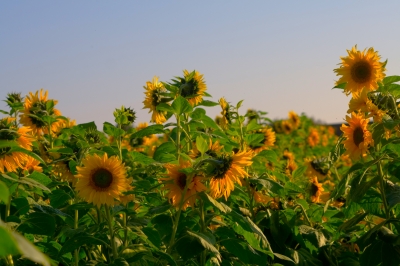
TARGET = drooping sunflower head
x,y
251,115
358,137
360,69
294,119
313,138
32,165
101,180
228,172
37,106
178,180
226,115
154,97
193,87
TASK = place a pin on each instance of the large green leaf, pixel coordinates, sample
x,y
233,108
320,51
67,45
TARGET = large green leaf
x,y
181,105
78,240
219,205
4,193
165,152
112,130
8,245
150,130
207,240
38,224
244,252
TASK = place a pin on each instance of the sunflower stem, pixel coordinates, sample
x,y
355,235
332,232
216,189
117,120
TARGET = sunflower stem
x,y
76,251
125,230
177,217
178,135
110,228
203,254
251,203
304,213
9,260
382,189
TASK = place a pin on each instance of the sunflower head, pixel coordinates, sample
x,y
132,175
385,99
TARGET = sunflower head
x,y
316,190
154,96
267,142
226,114
178,180
14,97
317,167
251,115
101,180
294,119
193,87
286,126
313,138
360,69
358,137
36,107
228,170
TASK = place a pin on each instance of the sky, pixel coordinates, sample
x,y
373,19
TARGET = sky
x,y
277,56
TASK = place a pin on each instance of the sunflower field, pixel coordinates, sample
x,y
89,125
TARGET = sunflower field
x,y
188,189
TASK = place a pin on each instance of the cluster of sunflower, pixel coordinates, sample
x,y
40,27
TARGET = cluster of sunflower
x,y
239,189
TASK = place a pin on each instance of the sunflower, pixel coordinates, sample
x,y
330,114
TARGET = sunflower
x,y
61,170
32,165
288,155
153,98
9,160
176,183
313,139
229,172
294,119
358,137
35,107
286,126
360,70
213,150
316,190
267,142
358,102
226,116
315,167
193,87
374,112
291,166
101,180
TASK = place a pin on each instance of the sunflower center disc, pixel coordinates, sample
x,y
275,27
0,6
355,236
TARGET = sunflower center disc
x,y
358,136
102,178
182,181
361,72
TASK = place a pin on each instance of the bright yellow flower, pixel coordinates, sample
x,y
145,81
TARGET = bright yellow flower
x,y
35,105
358,102
193,89
313,139
358,137
294,119
286,126
316,190
360,69
101,180
32,165
226,118
231,170
267,142
153,98
176,183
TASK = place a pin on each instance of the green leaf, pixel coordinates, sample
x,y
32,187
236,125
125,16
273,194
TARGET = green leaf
x,y
219,205
270,155
181,105
28,250
38,224
140,157
352,222
4,193
341,86
32,154
8,144
78,240
392,194
208,103
165,257
8,245
165,152
40,178
153,236
390,79
208,122
198,113
59,198
359,186
254,139
62,150
207,240
253,125
380,253
165,107
112,130
188,247
150,130
244,252
201,144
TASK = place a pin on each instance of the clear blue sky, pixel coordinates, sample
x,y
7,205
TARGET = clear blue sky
x,y
94,56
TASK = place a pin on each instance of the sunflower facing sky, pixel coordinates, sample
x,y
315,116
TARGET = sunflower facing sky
x,y
229,172
358,137
101,180
226,118
35,107
176,182
360,69
193,87
153,98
